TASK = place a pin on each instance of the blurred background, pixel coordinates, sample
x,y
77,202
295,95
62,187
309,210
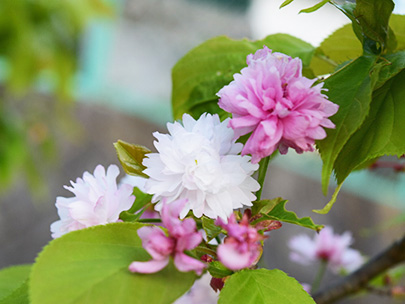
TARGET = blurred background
x,y
77,75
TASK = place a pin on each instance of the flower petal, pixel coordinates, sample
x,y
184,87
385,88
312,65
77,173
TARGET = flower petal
x,y
232,258
151,266
186,263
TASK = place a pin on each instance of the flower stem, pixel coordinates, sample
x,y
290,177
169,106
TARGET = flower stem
x,y
206,250
150,220
319,276
264,163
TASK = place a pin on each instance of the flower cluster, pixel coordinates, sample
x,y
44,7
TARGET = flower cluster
x,y
328,247
199,161
98,200
272,99
182,236
241,248
199,167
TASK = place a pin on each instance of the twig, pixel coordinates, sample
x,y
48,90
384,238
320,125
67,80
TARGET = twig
x,y
359,279
379,291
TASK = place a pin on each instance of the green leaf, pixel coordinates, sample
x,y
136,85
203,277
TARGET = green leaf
x,y
262,286
202,72
351,88
91,266
211,230
394,64
14,284
141,199
397,24
370,19
348,8
373,17
285,3
329,205
338,48
279,213
218,270
131,157
265,206
382,133
315,7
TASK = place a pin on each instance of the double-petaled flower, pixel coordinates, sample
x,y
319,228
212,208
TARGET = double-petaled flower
x,y
98,200
282,109
199,161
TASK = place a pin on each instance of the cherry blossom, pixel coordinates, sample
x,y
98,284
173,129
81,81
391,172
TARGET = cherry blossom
x,y
282,109
182,235
97,201
199,161
326,246
241,248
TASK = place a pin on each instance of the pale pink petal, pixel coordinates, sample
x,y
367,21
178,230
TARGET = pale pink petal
x,y
155,242
243,124
352,260
229,255
151,266
189,241
170,213
303,249
182,228
186,263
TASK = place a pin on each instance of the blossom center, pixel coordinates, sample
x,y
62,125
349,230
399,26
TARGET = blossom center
x,y
202,170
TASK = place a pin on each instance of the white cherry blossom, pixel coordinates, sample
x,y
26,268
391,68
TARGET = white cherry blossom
x,y
200,161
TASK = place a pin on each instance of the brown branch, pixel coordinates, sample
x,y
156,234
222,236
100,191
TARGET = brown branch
x,y
358,280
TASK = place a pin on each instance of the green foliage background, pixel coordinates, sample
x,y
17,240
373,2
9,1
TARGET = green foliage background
x,y
39,44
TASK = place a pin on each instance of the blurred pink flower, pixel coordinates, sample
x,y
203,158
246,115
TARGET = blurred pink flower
x,y
272,99
241,247
98,200
182,235
326,246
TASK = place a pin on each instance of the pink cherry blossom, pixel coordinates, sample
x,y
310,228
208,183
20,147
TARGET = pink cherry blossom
x,y
272,99
242,246
182,235
97,201
326,246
